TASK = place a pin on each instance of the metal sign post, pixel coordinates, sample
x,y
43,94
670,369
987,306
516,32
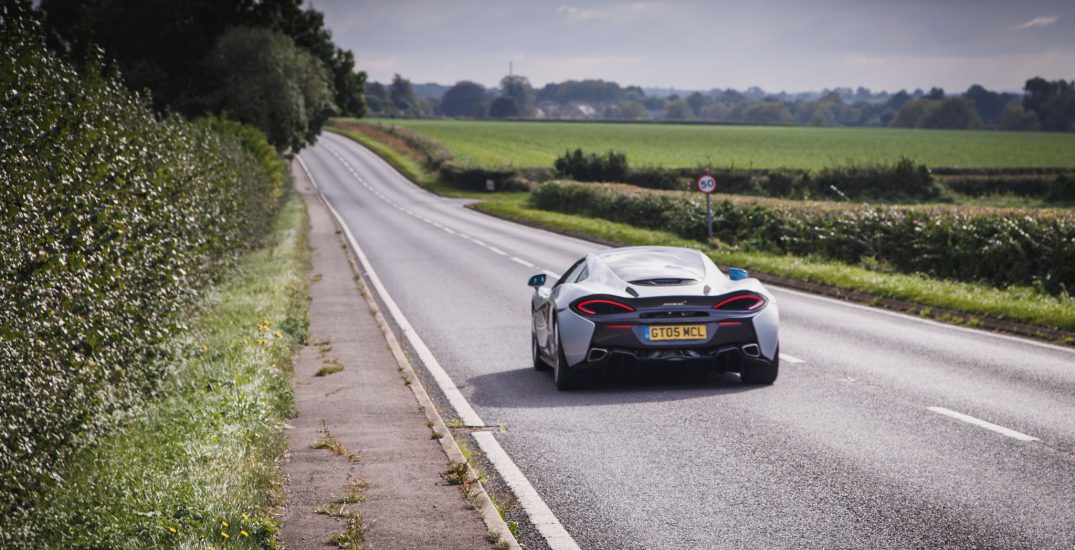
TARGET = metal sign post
x,y
708,184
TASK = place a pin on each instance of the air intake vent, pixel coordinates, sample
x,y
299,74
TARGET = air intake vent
x,y
674,314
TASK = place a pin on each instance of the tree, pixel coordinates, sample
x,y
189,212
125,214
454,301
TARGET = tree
x,y
518,88
697,102
632,110
954,113
1017,118
402,99
989,105
349,86
1053,102
678,109
767,112
462,99
504,107
911,112
264,80
376,97
162,45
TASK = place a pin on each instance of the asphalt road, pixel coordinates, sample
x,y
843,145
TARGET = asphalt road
x,y
852,447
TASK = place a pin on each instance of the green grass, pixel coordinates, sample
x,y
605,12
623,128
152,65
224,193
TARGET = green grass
x,y
537,144
1016,303
198,466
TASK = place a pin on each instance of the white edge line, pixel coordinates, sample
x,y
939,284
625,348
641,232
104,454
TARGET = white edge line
x,y
466,413
540,514
900,315
983,424
790,358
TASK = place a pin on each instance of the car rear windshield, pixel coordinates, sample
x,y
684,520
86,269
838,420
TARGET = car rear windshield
x,y
656,266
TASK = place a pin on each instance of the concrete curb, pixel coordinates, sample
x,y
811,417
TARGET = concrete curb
x,y
476,492
943,315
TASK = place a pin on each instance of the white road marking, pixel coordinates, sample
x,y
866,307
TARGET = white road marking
x,y
521,261
540,514
983,424
449,230
498,251
552,274
790,358
451,391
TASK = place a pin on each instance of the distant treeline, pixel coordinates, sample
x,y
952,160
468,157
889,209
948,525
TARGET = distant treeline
x,y
1044,105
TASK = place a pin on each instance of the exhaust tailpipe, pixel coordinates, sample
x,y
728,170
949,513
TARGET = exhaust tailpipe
x,y
596,354
751,350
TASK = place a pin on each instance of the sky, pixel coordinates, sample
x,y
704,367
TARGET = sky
x,y
779,45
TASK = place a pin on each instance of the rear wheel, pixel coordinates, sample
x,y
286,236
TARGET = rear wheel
x,y
761,374
564,377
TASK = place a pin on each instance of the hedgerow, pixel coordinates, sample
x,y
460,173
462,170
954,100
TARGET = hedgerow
x,y
111,221
997,246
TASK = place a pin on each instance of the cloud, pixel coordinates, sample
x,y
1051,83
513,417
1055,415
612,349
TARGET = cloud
x,y
1038,22
618,12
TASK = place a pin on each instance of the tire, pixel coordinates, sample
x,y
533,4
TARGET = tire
x,y
762,375
539,363
563,376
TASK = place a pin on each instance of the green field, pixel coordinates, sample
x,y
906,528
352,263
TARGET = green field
x,y
536,144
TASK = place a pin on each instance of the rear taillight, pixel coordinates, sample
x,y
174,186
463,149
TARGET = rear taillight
x,y
740,302
600,306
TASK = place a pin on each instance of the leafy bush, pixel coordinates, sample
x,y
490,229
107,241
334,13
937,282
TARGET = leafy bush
x,y
997,246
900,181
1062,188
611,166
112,220
1023,185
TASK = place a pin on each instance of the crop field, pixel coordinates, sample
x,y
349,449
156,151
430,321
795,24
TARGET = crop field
x,y
536,144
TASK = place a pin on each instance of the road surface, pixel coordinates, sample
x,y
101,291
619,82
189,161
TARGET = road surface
x,y
882,430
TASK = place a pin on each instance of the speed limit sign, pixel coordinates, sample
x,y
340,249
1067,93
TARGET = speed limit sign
x,y
707,184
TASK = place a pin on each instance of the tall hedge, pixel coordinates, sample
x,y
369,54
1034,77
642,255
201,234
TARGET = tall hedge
x,y
111,220
997,246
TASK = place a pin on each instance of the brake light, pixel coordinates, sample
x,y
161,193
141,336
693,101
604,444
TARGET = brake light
x,y
602,307
742,302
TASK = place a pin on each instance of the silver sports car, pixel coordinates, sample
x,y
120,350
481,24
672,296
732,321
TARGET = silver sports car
x,y
628,307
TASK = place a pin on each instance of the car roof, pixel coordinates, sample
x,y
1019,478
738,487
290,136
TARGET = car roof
x,y
648,263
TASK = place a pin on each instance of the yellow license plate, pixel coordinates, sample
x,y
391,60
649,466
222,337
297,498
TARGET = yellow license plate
x,y
675,332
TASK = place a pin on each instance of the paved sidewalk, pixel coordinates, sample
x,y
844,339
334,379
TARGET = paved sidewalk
x,y
384,442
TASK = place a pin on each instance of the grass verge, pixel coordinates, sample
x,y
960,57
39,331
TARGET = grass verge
x,y
197,467
1019,304
1016,304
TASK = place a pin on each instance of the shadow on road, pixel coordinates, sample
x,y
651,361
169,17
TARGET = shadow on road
x,y
528,388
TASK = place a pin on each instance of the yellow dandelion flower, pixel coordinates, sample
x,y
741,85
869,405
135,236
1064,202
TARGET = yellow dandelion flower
x,y
223,534
277,333
205,347
172,530
246,517
224,523
244,533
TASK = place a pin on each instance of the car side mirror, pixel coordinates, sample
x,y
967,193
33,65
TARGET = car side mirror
x,y
737,274
537,280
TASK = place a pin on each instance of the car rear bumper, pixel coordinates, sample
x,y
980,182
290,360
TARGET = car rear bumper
x,y
727,358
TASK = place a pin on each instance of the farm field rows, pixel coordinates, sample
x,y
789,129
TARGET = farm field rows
x,y
536,144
